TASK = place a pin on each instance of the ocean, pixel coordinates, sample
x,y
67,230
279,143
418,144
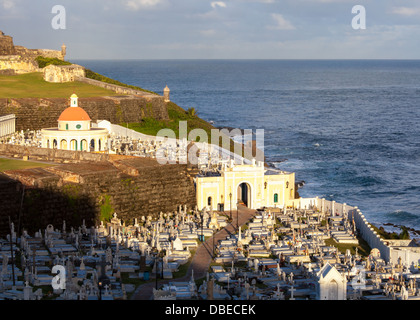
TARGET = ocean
x,y
349,128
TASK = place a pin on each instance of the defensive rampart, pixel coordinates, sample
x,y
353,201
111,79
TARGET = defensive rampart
x,y
39,113
90,188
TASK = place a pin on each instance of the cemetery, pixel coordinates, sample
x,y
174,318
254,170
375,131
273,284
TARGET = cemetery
x,y
277,255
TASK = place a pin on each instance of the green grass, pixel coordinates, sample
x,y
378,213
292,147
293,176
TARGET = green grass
x,y
404,235
151,126
43,62
96,76
176,114
32,85
363,248
106,209
11,164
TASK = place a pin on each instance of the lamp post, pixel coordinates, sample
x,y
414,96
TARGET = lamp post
x,y
100,284
11,252
213,242
237,216
230,195
156,271
202,223
161,259
103,279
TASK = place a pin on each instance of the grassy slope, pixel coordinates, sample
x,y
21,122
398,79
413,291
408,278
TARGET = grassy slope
x,y
32,85
176,114
12,164
152,126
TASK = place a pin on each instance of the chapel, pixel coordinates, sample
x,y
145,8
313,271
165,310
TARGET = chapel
x,y
75,131
252,185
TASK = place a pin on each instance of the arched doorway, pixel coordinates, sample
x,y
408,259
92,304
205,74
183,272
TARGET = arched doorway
x,y
73,145
63,144
244,194
92,145
55,144
83,145
333,290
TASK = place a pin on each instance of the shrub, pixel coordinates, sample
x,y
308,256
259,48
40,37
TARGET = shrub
x,y
99,77
43,62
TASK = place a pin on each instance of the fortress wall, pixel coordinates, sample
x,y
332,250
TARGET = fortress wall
x,y
39,113
6,45
48,53
33,53
61,74
18,65
116,88
44,154
74,192
11,195
369,234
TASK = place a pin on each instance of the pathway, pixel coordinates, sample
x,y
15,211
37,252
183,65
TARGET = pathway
x,y
203,256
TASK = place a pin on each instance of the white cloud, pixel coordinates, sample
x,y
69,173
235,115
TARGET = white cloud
x,y
140,4
8,4
405,11
208,32
215,4
281,23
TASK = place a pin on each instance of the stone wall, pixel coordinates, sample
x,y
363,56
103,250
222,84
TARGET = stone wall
x,y
36,113
17,64
117,88
33,53
84,185
59,74
52,155
6,45
93,191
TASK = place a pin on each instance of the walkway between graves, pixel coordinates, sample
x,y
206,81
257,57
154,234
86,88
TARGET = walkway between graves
x,y
203,256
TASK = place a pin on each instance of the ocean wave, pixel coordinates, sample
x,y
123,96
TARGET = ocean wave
x,y
402,215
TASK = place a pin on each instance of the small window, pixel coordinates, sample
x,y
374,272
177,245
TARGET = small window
x,y
276,198
209,201
67,126
78,126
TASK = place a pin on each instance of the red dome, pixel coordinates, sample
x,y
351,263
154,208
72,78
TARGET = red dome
x,y
74,114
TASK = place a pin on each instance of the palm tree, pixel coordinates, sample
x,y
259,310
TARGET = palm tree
x,y
192,112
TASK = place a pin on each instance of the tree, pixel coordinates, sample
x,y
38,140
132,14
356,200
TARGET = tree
x,y
191,112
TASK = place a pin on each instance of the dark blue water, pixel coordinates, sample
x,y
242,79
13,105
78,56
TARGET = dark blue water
x,y
349,129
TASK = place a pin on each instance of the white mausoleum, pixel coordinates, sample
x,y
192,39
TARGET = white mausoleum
x,y
74,131
332,285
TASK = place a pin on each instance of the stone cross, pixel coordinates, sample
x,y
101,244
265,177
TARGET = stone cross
x,y
292,290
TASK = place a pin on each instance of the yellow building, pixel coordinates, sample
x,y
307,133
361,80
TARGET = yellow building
x,y
254,185
74,131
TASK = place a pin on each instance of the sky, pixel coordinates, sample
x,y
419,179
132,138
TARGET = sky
x,y
205,29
